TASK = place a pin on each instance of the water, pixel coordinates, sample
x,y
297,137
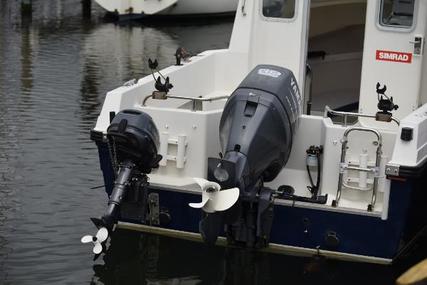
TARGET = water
x,y
54,72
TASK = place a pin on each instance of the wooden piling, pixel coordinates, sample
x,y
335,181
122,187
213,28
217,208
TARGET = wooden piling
x,y
416,275
26,7
86,8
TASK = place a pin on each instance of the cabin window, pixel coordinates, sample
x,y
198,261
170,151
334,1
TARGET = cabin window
x,y
397,13
278,8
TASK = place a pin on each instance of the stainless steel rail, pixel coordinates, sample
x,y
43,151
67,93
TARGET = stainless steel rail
x,y
194,100
202,99
308,89
345,115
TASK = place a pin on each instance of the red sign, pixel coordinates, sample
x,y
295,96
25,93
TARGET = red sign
x,y
394,56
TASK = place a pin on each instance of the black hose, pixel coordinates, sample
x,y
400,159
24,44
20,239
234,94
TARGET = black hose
x,y
309,176
314,189
318,175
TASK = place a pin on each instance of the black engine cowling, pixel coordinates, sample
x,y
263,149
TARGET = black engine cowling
x,y
257,126
256,132
136,138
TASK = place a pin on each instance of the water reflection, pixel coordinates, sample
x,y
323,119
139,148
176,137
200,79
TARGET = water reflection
x,y
90,102
114,54
26,59
135,258
147,259
55,69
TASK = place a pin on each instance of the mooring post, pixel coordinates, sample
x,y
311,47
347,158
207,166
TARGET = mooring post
x,y
86,8
26,7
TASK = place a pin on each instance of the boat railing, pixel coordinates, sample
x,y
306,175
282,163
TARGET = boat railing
x,y
195,101
346,115
308,89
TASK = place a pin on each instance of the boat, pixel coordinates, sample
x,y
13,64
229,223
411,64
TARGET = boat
x,y
306,136
134,9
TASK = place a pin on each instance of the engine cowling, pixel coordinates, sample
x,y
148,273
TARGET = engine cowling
x,y
256,132
257,126
136,139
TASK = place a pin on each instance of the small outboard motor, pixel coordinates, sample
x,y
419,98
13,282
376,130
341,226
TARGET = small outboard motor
x,y
256,132
133,142
135,138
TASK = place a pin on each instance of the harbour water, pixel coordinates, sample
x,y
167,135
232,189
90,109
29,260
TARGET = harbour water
x,y
55,69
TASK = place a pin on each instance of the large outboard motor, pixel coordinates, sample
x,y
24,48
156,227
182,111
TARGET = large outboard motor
x,y
133,141
256,131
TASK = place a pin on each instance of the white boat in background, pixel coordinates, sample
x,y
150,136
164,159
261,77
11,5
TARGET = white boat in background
x,y
141,8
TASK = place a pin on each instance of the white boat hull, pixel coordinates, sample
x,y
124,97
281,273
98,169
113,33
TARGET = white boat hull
x,y
168,7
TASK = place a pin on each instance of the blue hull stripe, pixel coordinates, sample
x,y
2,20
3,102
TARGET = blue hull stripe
x,y
303,227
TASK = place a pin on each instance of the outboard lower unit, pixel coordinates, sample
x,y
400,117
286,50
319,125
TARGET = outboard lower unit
x,y
133,141
256,132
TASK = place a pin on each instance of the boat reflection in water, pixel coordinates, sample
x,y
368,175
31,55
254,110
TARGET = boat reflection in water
x,y
149,259
114,54
122,52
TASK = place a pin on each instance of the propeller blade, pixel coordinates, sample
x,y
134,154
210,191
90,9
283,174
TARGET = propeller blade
x,y
97,249
205,199
205,184
86,239
224,199
213,198
102,234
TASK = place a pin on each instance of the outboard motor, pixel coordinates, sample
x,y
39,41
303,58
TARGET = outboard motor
x,y
133,142
256,132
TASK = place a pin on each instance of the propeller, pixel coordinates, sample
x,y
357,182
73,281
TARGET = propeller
x,y
97,240
213,198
